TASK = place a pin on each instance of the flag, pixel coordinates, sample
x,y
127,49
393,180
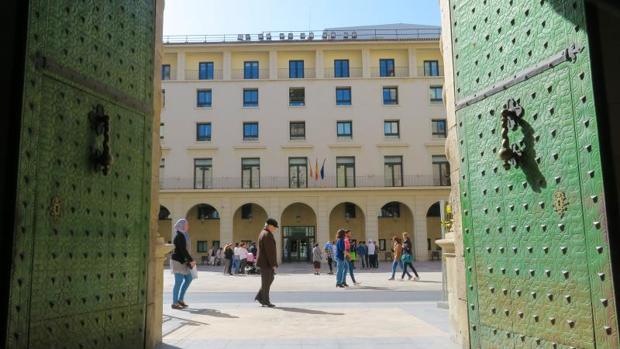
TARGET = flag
x,y
316,170
311,173
323,169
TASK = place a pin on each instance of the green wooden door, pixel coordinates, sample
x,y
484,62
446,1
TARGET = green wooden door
x,y
81,238
535,235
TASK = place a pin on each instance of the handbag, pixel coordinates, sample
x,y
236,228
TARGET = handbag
x,y
406,258
194,272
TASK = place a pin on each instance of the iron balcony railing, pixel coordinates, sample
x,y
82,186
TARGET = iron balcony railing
x,y
429,73
239,74
283,73
398,72
267,182
354,72
324,35
195,75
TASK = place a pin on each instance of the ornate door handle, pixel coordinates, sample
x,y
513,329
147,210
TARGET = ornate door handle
x,y
100,123
510,153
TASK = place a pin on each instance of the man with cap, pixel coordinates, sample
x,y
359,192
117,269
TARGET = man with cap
x,y
266,261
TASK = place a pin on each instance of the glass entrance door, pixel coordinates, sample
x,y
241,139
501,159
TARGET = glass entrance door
x,y
297,243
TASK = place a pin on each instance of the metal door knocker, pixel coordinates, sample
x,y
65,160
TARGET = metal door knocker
x,y
510,153
101,159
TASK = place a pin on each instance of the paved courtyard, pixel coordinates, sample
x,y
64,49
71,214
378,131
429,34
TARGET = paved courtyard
x,y
311,312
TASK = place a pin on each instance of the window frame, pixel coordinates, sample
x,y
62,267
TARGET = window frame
x,y
206,138
339,68
209,93
443,134
393,211
391,134
390,101
209,70
253,68
215,216
391,165
433,91
207,181
298,167
246,211
383,63
428,67
204,244
250,167
443,165
344,135
352,208
247,103
346,165
344,101
296,138
248,137
298,70
166,68
296,104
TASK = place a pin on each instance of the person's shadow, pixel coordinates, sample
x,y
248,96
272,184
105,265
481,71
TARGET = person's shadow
x,y
211,312
306,311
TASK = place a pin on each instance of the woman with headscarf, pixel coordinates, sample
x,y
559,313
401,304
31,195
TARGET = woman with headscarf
x,y
182,262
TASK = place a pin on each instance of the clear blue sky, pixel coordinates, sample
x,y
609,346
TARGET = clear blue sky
x,y
254,16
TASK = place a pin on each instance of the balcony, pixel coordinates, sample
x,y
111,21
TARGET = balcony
x,y
399,72
354,72
283,74
423,72
239,74
194,75
330,182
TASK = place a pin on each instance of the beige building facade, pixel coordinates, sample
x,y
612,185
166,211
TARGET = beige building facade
x,y
319,134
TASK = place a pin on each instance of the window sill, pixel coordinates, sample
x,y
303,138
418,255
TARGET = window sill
x,y
250,107
297,146
297,106
203,108
391,104
343,105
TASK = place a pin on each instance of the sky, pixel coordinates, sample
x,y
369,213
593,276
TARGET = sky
x,y
200,17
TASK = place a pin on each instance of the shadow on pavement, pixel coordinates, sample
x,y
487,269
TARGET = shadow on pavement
x,y
427,282
307,311
372,288
211,312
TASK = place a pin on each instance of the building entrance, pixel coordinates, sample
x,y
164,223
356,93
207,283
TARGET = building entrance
x,y
297,243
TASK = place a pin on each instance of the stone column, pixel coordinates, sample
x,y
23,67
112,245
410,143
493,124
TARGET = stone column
x,y
322,221
226,222
275,212
273,64
226,65
372,220
319,64
366,63
413,62
180,66
420,233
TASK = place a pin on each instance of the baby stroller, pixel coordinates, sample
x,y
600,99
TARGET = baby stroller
x,y
250,266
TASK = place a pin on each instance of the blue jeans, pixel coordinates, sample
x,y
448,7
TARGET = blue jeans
x,y
341,274
350,265
394,265
180,282
235,264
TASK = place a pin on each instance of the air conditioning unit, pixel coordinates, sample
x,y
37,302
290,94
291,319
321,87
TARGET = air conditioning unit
x,y
240,37
269,36
281,36
311,36
248,37
302,36
345,35
354,35
261,37
290,36
333,36
324,35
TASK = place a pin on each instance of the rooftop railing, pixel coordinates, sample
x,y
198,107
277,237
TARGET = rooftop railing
x,y
315,35
273,182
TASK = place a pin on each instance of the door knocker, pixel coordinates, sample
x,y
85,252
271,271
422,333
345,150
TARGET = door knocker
x,y
510,153
100,123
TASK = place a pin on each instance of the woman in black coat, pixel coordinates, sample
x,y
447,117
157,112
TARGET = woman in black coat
x,y
182,262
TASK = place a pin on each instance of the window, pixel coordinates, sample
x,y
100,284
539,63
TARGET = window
x,y
296,69
391,209
250,70
431,68
250,131
344,129
203,131
163,98
439,128
341,68
203,98
441,170
201,246
391,128
393,171
386,67
246,211
349,210
205,70
203,174
343,96
298,172
162,163
298,130
207,212
436,93
390,95
345,171
165,71
381,244
250,97
296,96
216,244
250,173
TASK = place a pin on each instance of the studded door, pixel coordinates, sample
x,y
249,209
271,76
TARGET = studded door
x,y
81,239
533,208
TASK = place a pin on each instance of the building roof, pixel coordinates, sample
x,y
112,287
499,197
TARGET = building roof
x,y
395,31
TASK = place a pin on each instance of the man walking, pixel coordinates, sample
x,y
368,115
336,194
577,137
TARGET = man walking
x,y
362,253
266,261
372,253
329,252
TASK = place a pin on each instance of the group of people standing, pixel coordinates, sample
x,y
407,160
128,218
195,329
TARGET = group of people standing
x,y
238,256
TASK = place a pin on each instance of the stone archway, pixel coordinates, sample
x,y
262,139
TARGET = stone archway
x,y
204,228
433,226
248,221
348,215
394,218
298,229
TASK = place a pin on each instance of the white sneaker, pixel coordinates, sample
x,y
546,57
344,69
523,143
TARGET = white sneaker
x,y
417,278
